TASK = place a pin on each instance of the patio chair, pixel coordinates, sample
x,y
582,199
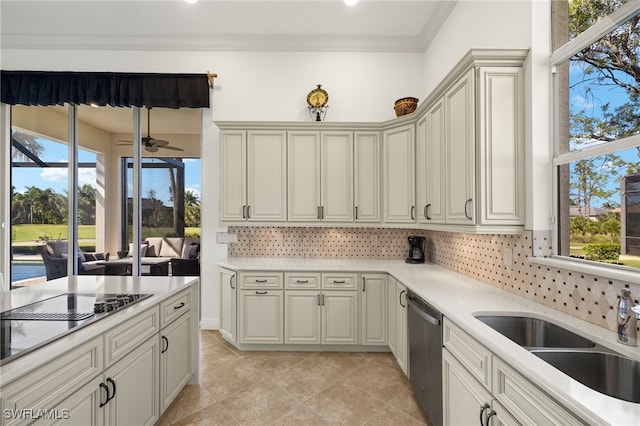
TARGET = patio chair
x,y
56,266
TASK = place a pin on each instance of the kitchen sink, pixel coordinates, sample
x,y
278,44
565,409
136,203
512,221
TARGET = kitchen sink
x,y
607,373
534,332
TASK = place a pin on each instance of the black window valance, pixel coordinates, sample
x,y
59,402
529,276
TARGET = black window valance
x,y
105,88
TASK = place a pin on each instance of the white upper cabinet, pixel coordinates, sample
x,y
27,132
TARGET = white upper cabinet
x,y
501,145
460,154
304,176
366,188
320,176
337,176
430,134
456,164
470,152
399,174
253,176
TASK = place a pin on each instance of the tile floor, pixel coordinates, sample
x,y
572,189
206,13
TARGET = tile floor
x,y
294,388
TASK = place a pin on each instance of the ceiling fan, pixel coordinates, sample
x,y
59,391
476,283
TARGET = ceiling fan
x,y
150,143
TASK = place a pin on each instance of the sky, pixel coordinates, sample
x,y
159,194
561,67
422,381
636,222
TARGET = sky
x,y
57,178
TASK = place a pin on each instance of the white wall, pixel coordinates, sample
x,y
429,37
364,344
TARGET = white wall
x,y
476,25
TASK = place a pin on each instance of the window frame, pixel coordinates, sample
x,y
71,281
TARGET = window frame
x,y
558,57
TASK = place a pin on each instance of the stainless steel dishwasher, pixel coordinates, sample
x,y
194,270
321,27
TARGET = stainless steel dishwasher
x,y
425,356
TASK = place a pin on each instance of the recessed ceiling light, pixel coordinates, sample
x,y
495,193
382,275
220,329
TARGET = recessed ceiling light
x,y
350,2
191,1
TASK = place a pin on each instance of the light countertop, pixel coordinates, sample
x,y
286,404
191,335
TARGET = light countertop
x,y
161,288
459,297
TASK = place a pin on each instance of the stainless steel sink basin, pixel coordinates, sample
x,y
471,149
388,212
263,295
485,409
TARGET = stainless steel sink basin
x,y
534,332
607,373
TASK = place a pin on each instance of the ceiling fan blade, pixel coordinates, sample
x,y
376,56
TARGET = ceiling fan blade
x,y
174,148
157,142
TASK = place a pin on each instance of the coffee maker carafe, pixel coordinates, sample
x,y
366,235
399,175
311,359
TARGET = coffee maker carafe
x,y
416,249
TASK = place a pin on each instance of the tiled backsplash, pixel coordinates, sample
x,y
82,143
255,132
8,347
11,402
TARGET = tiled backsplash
x,y
482,257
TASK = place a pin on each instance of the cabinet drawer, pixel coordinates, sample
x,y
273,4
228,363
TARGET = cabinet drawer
x,y
524,401
475,357
175,306
340,280
250,280
303,280
127,336
48,386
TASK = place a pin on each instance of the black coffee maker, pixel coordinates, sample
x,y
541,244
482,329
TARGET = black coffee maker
x,y
416,249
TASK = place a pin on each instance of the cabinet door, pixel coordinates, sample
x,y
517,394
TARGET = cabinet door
x,y
336,165
233,181
373,310
392,315
228,297
367,177
460,152
260,316
134,383
302,316
501,146
402,352
267,176
463,397
175,358
340,317
399,175
430,158
304,176
83,407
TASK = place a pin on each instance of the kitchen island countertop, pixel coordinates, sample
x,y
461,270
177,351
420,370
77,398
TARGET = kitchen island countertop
x,y
161,288
459,297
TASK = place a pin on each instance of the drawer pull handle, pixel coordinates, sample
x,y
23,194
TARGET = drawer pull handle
x,y
484,408
339,282
491,414
106,390
261,292
113,384
302,281
181,305
400,299
261,281
166,344
466,203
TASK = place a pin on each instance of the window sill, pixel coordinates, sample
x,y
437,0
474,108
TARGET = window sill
x,y
614,272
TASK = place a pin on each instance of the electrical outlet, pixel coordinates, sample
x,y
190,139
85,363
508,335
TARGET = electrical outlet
x,y
507,256
226,238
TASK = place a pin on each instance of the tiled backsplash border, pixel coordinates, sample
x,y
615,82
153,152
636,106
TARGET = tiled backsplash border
x,y
588,297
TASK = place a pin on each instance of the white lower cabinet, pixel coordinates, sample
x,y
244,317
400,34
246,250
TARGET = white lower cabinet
x,y
320,316
402,351
116,377
340,317
176,353
466,401
397,321
373,310
302,316
132,387
480,388
228,303
260,316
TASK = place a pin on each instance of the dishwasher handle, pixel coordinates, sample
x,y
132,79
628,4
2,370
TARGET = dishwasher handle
x,y
425,316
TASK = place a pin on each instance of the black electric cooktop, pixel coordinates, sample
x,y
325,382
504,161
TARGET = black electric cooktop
x,y
32,326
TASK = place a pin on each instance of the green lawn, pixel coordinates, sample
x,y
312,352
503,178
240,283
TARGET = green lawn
x,y
28,233
31,233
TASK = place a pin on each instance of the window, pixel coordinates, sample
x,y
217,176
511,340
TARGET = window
x,y
596,68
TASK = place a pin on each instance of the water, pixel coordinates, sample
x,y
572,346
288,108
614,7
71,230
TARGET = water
x,y
24,270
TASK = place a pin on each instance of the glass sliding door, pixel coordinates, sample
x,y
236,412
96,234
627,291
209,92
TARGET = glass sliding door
x,y
101,225
39,194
